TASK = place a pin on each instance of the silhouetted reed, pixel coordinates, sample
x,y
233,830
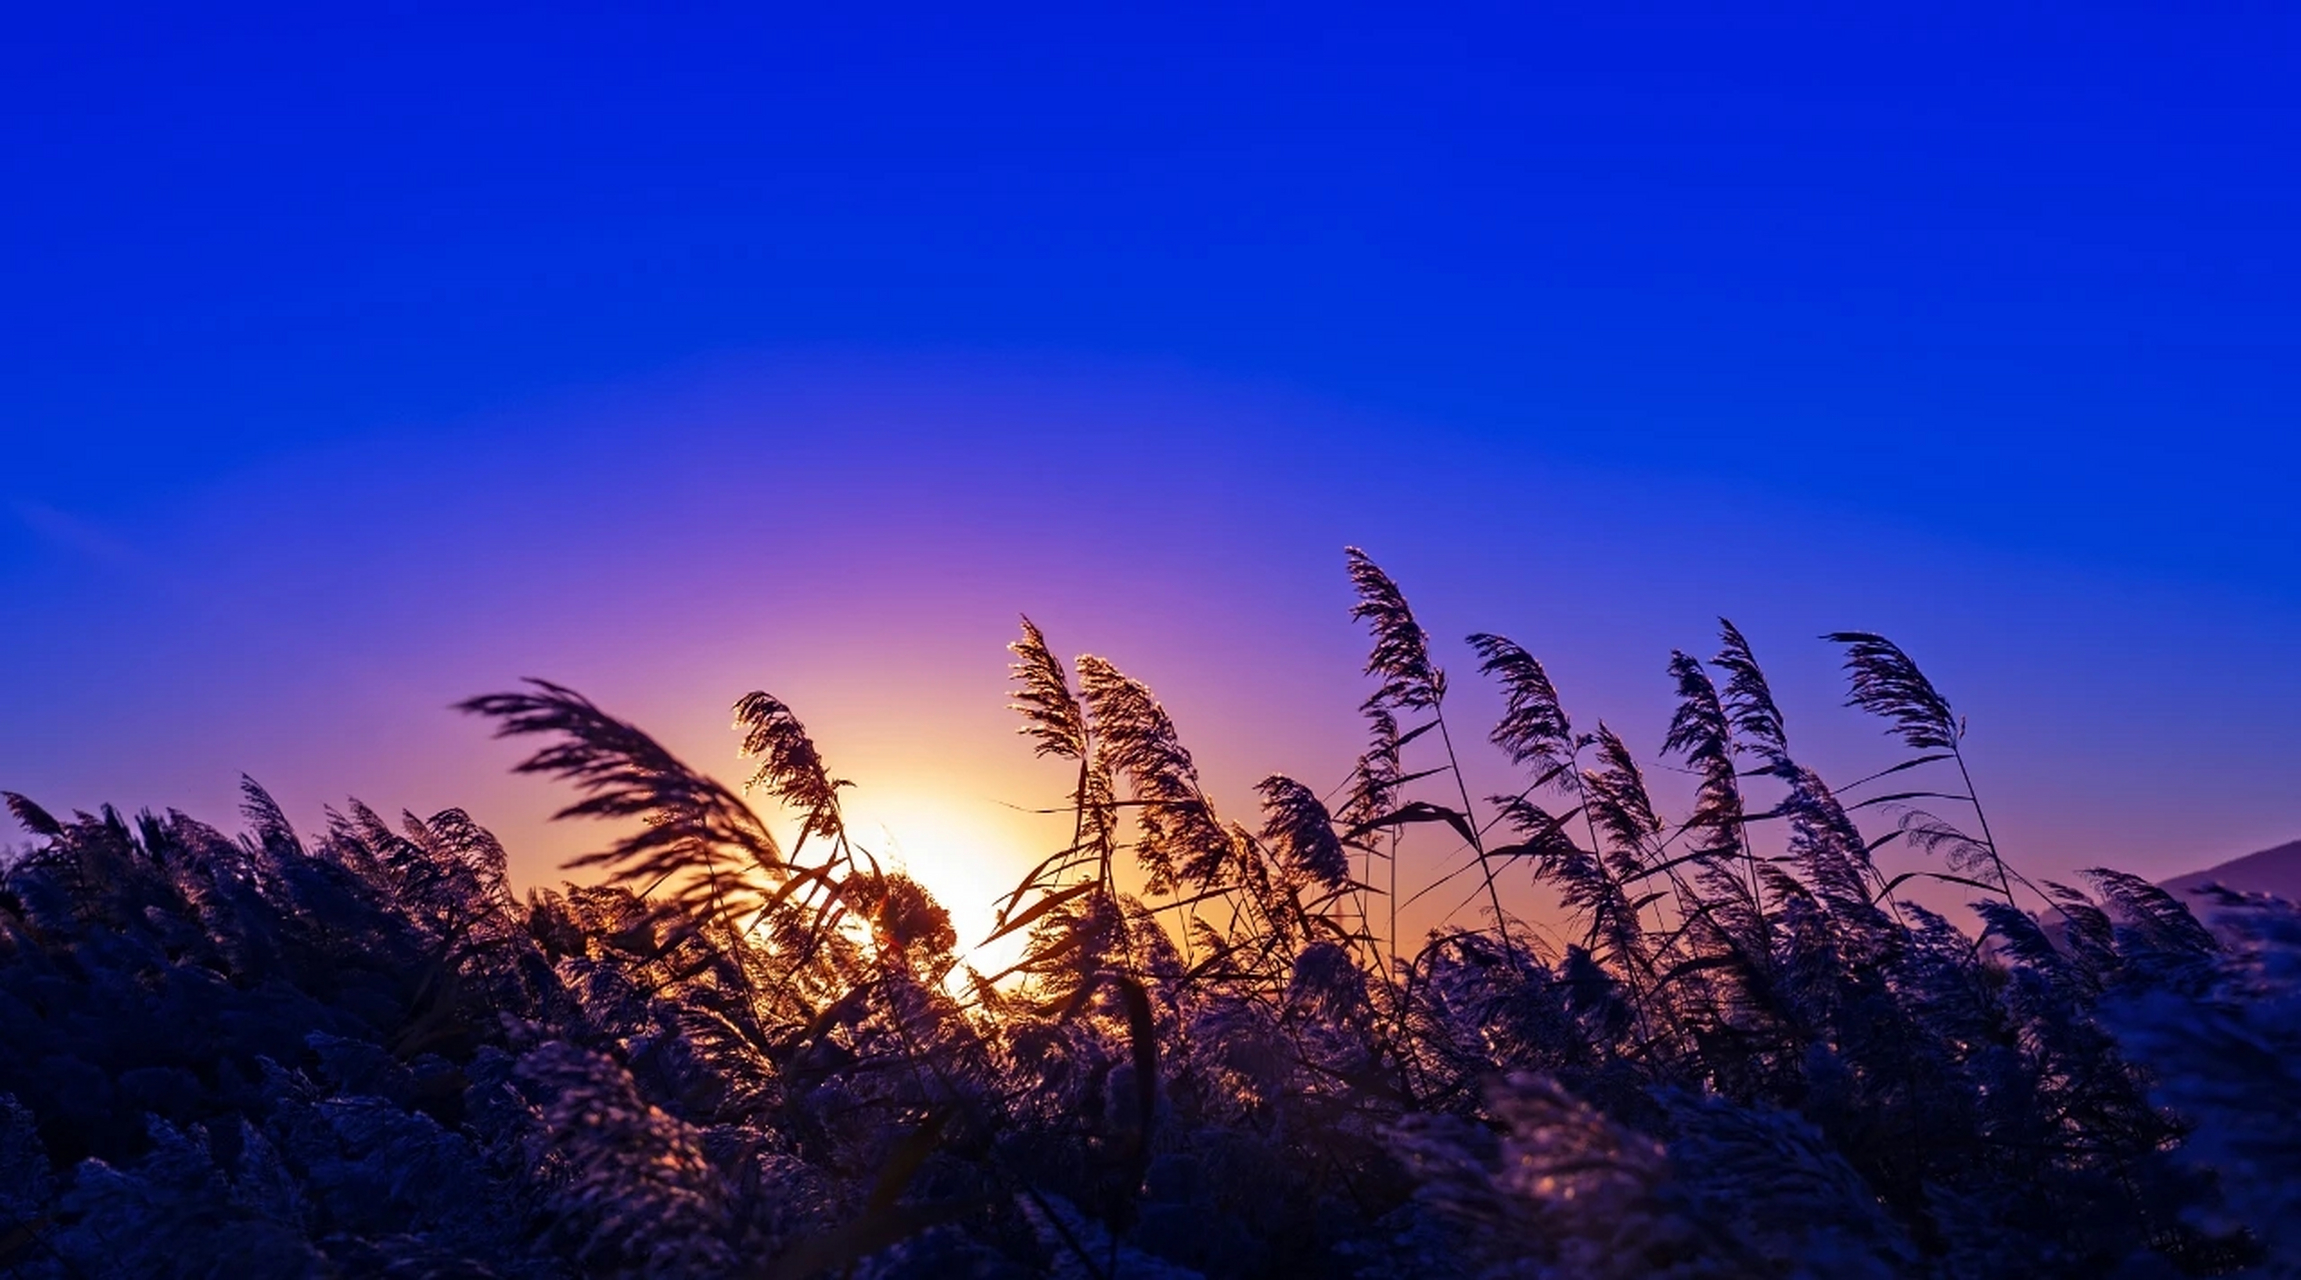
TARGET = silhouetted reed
x,y
1722,1044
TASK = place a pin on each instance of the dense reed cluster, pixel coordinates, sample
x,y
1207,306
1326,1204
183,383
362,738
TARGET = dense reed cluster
x,y
1739,1047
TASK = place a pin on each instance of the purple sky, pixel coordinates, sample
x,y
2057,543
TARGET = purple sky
x,y
857,533
360,361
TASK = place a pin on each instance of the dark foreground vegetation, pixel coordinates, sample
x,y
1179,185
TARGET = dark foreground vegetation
x,y
742,1049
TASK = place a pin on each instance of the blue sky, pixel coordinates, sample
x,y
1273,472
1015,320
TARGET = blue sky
x,y
1976,325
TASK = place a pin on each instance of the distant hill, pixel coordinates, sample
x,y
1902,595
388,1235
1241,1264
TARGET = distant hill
x,y
2276,871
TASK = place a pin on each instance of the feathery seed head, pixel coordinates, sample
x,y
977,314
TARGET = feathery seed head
x,y
1887,683
1401,653
1533,728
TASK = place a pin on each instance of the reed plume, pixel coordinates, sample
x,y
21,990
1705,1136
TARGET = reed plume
x,y
1182,842
695,836
1297,825
1400,657
1744,1052
1534,730
1401,653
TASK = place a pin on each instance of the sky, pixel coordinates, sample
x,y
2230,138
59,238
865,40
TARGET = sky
x,y
354,364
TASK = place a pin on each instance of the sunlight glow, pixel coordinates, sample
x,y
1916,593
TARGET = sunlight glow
x,y
967,850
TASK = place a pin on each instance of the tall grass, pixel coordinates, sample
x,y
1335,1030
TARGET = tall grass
x,y
744,1047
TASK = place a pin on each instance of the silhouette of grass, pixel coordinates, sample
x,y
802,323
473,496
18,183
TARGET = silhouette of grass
x,y
741,1049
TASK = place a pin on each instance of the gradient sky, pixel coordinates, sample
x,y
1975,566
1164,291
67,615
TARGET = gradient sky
x,y
353,366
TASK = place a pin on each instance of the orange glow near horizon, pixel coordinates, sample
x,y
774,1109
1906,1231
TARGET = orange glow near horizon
x,y
968,851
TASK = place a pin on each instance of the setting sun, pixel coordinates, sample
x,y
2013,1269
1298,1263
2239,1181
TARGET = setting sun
x,y
969,851
1087,642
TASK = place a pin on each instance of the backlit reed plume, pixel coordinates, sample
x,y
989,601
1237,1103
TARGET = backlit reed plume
x,y
1736,1047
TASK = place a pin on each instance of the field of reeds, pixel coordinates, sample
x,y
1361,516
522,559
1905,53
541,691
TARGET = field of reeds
x,y
740,1046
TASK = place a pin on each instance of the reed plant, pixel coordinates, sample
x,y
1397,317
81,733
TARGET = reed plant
x,y
1739,1045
